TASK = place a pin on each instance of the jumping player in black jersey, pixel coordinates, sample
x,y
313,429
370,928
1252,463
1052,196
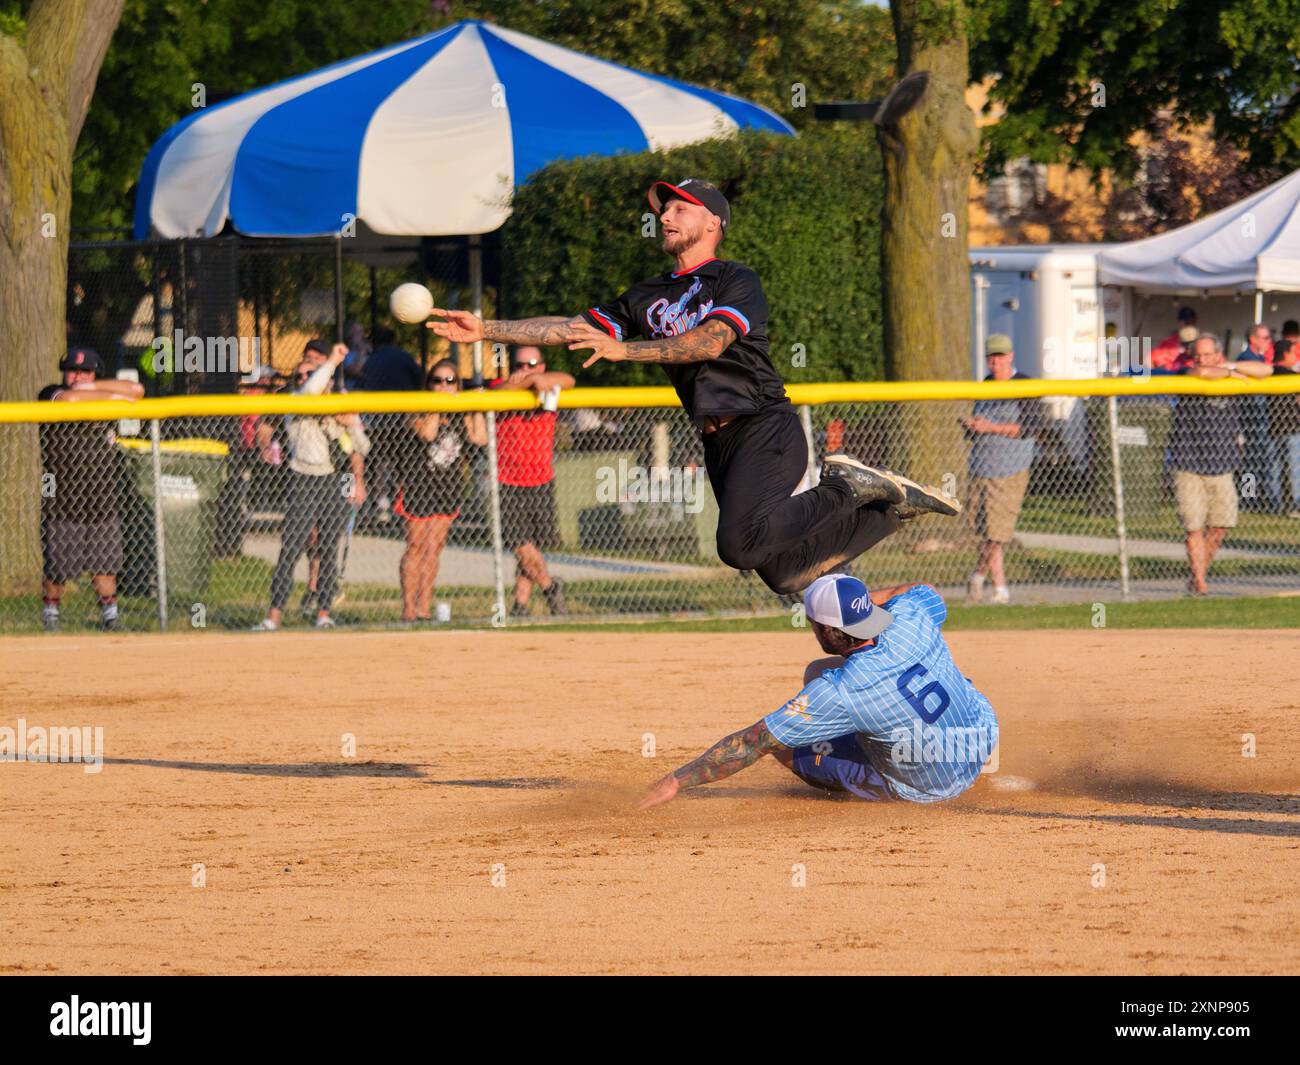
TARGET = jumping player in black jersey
x,y
705,322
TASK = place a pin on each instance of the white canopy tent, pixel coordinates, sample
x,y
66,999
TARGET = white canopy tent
x,y
1251,246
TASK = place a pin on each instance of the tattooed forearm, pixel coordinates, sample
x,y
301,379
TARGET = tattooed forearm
x,y
700,344
728,756
552,330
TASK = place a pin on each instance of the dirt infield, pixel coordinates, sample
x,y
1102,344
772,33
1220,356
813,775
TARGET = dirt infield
x,y
522,751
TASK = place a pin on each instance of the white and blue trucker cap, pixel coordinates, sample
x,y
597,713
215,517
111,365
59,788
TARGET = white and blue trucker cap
x,y
843,602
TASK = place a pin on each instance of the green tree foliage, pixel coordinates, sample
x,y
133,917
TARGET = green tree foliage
x,y
805,216
759,49
833,48
1079,77
162,49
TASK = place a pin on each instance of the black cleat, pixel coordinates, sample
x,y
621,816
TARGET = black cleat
x,y
112,624
555,597
922,499
868,484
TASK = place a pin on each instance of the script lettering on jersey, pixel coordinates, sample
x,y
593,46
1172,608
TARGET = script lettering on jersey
x,y
669,318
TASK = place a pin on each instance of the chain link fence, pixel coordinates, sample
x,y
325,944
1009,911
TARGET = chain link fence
x,y
601,514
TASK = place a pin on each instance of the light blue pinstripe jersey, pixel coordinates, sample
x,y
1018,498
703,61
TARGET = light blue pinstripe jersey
x,y
923,725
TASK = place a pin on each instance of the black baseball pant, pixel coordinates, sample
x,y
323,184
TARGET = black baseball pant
x,y
754,463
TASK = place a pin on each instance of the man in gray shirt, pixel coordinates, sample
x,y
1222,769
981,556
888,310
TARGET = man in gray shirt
x,y
1002,435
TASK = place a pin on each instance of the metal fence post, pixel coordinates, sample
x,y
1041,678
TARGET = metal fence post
x,y
159,539
1117,478
338,284
494,494
805,419
494,489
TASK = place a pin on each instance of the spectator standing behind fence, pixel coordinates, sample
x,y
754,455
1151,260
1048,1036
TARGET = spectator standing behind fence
x,y
428,451
1173,354
354,364
1290,334
526,470
326,475
81,527
388,368
1284,420
272,434
1002,433
1203,453
1261,461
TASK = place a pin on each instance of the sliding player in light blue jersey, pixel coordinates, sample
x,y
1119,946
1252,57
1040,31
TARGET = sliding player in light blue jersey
x,y
890,716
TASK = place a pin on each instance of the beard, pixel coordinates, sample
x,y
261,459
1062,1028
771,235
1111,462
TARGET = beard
x,y
681,241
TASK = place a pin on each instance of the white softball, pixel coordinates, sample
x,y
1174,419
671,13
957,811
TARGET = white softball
x,y
410,303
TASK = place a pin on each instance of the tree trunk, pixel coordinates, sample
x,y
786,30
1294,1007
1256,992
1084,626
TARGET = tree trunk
x,y
929,158
45,87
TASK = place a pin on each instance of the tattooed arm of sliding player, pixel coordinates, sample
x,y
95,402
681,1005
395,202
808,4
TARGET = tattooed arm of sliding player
x,y
701,344
727,756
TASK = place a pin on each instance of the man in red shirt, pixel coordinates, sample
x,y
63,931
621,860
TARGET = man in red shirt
x,y
1173,354
526,470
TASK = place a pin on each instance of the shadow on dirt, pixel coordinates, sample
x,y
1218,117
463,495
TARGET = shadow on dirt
x,y
1160,795
525,783
1230,826
295,769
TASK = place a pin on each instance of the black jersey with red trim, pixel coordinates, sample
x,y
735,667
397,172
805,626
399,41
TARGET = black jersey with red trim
x,y
742,380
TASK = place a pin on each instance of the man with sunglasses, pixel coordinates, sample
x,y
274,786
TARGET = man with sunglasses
x,y
705,322
526,470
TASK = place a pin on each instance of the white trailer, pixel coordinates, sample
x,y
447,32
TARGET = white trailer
x,y
1048,299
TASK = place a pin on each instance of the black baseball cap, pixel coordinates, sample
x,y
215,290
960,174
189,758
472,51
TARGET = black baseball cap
x,y
318,346
692,190
85,360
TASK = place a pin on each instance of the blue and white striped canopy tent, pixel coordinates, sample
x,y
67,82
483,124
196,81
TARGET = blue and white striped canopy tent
x,y
428,137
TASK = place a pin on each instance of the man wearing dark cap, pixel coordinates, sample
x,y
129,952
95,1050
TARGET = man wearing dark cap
x,y
1002,435
705,322
81,530
1173,354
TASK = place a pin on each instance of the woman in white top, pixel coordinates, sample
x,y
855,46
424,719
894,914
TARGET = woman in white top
x,y
326,477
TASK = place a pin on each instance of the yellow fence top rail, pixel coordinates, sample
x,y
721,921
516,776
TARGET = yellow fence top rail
x,y
208,406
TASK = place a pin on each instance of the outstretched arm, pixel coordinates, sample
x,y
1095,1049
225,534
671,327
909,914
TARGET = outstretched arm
x,y
725,757
465,327
701,344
